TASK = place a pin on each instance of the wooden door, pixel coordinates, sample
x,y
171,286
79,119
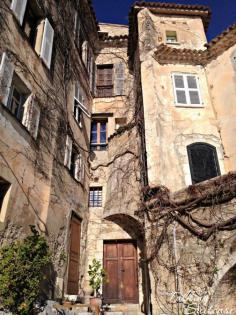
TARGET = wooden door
x,y
74,255
120,263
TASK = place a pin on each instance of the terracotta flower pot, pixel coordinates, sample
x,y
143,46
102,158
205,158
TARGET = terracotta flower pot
x,y
95,304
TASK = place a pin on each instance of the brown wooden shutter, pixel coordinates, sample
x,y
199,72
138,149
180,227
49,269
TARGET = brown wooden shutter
x,y
74,256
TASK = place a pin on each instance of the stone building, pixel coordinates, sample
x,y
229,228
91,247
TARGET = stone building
x,y
90,114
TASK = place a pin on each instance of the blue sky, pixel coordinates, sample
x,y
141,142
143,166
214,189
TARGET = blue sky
x,y
116,11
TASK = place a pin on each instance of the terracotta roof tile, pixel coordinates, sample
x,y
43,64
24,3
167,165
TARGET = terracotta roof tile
x,y
166,54
163,8
172,6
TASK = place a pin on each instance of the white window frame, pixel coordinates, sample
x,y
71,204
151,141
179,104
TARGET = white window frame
x,y
186,89
79,98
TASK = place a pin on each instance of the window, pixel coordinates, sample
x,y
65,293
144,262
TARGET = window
x,y
15,95
104,80
73,160
79,105
4,186
111,80
186,89
31,23
203,162
171,37
95,197
38,30
99,135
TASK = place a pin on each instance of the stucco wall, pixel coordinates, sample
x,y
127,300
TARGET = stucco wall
x,y
221,74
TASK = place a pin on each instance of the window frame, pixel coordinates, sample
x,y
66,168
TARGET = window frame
x,y
191,164
167,34
99,146
74,160
186,89
99,201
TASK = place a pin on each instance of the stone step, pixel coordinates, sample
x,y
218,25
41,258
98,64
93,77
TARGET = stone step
x,y
124,309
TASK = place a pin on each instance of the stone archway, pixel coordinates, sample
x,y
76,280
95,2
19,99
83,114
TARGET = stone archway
x,y
224,298
129,224
135,229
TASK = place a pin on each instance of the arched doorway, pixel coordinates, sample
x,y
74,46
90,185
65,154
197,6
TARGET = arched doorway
x,y
224,298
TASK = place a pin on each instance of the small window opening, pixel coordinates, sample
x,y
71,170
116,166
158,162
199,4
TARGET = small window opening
x,y
171,37
95,197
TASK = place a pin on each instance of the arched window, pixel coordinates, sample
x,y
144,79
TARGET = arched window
x,y
203,161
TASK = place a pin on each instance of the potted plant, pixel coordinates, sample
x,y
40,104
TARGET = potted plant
x,y
97,275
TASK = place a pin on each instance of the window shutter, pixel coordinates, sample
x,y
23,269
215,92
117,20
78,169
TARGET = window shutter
x,y
31,115
180,93
6,75
75,22
194,95
68,152
85,52
18,7
119,78
47,43
78,168
94,78
91,73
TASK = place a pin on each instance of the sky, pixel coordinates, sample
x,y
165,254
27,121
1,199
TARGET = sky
x,y
116,11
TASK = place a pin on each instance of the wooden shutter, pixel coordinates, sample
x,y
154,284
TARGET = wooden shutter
x,y
119,69
68,152
85,52
193,89
47,43
75,23
6,75
78,168
31,115
91,72
74,256
94,78
179,87
18,7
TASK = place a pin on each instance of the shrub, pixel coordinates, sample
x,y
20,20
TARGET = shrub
x,y
96,275
22,266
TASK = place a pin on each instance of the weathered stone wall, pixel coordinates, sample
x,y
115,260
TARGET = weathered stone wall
x,y
43,192
115,169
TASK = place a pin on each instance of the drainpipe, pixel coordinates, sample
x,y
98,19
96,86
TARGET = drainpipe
x,y
177,280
